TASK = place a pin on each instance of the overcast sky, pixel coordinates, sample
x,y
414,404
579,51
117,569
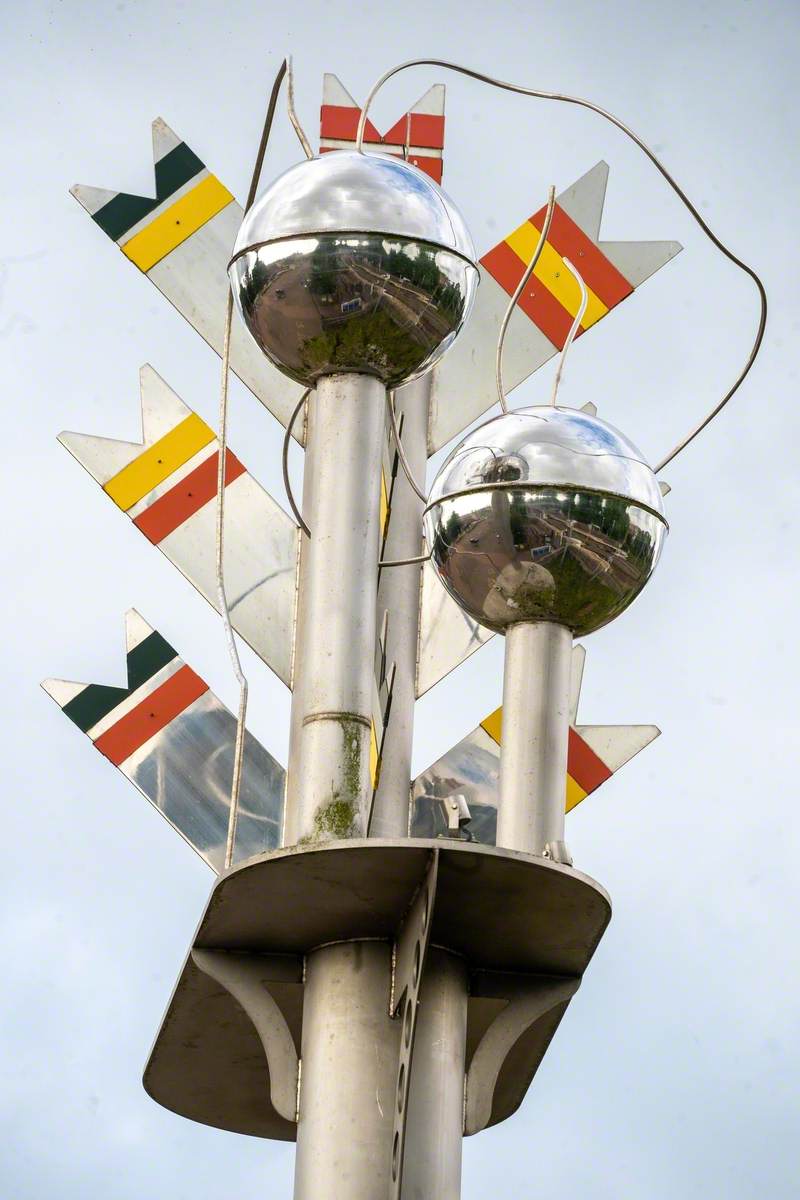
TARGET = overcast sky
x,y
674,1073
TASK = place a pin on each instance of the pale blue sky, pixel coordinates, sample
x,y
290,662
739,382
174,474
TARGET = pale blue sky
x,y
675,1071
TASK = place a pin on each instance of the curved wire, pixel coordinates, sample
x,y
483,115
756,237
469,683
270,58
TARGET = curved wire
x,y
404,562
573,328
498,366
679,192
296,126
409,474
285,462
222,595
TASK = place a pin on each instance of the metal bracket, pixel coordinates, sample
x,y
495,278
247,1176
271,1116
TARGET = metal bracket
x,y
530,1000
243,976
408,964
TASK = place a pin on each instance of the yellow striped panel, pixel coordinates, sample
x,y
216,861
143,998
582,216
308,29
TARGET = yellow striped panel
x,y
177,223
494,725
374,762
556,277
157,462
384,504
575,793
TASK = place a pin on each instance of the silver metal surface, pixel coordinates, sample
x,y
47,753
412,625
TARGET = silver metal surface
x,y
348,192
545,514
530,1000
353,263
435,1123
328,784
500,911
409,958
349,1056
184,769
533,754
447,635
399,595
242,975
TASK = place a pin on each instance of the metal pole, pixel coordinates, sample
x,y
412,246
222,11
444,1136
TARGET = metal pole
x,y
399,594
535,736
348,1075
434,1134
328,780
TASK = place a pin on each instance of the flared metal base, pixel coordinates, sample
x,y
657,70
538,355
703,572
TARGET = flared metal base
x,y
517,920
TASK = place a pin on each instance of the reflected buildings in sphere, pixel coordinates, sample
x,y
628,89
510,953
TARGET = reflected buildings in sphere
x,y
354,263
545,514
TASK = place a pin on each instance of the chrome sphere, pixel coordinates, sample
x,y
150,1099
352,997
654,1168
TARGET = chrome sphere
x,y
353,262
545,514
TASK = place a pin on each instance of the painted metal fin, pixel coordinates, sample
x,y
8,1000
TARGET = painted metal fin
x,y
181,238
418,135
167,485
472,768
464,385
174,739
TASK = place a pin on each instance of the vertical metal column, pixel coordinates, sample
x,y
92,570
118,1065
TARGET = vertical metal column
x,y
328,780
535,736
349,1065
399,594
435,1128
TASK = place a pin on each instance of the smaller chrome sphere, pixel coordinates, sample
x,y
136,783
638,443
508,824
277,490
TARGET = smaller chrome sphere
x,y
545,514
354,263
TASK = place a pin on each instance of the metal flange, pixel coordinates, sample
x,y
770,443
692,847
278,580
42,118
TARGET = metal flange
x,y
523,925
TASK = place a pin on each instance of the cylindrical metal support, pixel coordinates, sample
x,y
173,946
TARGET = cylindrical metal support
x,y
328,780
435,1128
348,1075
535,736
399,594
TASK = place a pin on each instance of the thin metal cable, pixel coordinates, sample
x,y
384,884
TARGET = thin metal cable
x,y
404,562
296,126
222,596
573,328
287,437
498,366
409,474
602,112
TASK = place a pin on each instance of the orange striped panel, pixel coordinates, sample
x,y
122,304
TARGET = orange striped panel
x,y
598,272
340,122
418,129
536,301
583,764
151,716
183,500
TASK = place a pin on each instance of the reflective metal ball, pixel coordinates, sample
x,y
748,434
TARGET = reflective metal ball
x,y
354,262
545,514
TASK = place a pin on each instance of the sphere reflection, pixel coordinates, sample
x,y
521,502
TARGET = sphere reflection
x,y
354,262
545,515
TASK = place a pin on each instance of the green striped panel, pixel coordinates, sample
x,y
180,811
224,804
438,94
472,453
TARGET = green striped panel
x,y
172,171
98,700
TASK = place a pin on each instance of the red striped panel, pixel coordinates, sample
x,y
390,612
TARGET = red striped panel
x,y
151,716
583,765
598,272
185,498
337,121
536,301
417,129
427,130
431,166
